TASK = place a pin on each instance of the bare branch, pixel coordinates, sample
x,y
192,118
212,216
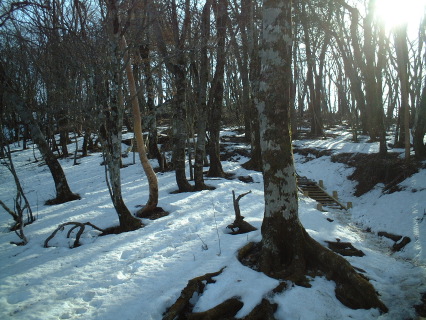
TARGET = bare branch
x,y
13,214
18,5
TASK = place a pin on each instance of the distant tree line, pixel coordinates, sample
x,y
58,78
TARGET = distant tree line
x,y
84,68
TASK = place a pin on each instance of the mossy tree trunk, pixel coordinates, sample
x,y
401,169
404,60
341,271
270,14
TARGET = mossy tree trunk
x,y
287,251
109,94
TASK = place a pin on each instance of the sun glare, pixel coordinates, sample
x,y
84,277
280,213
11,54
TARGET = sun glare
x,y
399,12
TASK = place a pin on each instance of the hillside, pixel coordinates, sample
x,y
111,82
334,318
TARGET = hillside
x,y
138,275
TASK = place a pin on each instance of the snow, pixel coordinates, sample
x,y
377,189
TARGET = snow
x,y
137,275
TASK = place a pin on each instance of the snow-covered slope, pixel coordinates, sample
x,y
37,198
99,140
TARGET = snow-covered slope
x,y
137,275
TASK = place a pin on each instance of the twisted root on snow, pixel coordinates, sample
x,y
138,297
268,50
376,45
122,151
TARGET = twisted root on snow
x,y
75,225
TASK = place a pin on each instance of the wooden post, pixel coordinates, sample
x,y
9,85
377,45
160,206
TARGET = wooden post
x,y
335,195
321,184
306,193
319,206
349,205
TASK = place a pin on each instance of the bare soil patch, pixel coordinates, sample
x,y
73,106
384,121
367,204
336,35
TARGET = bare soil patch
x,y
371,169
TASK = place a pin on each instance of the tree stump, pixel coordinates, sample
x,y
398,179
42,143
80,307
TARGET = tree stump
x,y
239,226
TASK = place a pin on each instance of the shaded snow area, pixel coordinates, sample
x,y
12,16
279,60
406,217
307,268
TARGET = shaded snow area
x,y
137,275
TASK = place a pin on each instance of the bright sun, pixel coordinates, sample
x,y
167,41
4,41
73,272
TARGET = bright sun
x,y
398,12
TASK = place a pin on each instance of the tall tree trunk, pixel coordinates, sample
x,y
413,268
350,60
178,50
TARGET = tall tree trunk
x,y
314,83
175,64
319,91
109,94
110,137
216,92
420,127
137,126
63,191
180,129
255,162
63,135
200,148
153,150
286,248
402,62
379,111
279,247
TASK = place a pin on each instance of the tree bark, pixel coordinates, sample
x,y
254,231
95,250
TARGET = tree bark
x,y
278,170
402,62
286,248
137,126
420,128
216,92
109,95
200,148
313,79
153,150
175,64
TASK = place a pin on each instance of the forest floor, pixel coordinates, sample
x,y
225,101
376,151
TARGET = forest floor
x,y
138,275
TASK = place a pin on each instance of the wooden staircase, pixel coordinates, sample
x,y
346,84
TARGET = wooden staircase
x,y
316,191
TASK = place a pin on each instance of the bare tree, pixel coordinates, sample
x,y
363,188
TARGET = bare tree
x,y
109,94
21,204
200,149
63,191
402,64
216,91
176,64
286,248
137,126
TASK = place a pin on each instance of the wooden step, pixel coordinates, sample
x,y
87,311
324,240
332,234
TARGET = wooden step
x,y
314,191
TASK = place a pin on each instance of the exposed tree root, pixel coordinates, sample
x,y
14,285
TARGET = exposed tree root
x,y
263,311
253,164
182,308
203,186
120,229
248,254
63,199
75,225
183,305
345,248
224,311
152,213
352,289
421,308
